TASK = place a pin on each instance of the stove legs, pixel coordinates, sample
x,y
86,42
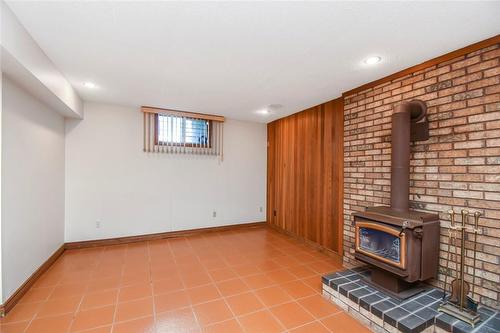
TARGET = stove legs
x,y
394,285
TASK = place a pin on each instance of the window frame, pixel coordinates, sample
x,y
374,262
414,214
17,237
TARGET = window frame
x,y
183,144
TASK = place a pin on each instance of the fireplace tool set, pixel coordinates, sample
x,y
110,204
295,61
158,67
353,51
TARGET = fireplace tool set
x,y
459,304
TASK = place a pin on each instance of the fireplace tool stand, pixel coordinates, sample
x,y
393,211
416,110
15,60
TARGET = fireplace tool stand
x,y
459,304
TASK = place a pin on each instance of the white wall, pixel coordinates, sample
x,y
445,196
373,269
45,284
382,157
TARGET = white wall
x,y
32,185
1,108
24,60
111,180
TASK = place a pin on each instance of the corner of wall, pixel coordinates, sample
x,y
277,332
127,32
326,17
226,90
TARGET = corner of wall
x,y
26,64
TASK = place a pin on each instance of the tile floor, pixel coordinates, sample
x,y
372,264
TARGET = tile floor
x,y
253,280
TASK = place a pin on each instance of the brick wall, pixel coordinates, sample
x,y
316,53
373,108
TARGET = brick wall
x,y
458,167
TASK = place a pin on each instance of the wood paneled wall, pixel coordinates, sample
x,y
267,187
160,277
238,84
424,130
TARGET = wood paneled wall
x,y
304,174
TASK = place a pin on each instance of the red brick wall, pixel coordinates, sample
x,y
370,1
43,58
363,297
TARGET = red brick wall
x,y
458,167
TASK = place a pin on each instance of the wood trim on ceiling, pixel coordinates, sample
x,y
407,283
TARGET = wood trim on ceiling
x,y
23,289
429,63
150,109
161,235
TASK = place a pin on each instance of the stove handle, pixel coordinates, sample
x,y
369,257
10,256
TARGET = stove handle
x,y
403,227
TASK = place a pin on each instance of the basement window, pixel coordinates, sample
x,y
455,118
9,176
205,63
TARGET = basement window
x,y
179,132
190,132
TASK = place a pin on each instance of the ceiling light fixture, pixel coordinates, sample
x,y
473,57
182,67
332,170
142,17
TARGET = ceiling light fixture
x,y
270,109
90,85
372,60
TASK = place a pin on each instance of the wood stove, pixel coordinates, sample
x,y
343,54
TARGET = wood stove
x,y
401,245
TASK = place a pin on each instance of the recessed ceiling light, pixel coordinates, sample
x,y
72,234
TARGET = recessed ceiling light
x,y
90,85
372,60
270,109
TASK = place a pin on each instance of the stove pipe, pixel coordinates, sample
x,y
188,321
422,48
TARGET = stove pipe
x,y
405,115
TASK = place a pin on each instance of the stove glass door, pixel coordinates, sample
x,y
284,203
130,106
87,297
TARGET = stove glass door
x,y
381,242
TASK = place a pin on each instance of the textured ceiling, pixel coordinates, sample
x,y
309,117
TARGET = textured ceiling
x,y
234,58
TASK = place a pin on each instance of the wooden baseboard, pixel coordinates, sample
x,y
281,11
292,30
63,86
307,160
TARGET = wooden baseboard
x,y
12,300
161,235
329,252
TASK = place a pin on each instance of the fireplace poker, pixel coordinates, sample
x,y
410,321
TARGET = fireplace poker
x,y
476,231
450,241
465,214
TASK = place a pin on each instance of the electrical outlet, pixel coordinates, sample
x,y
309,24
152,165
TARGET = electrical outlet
x,y
214,214
97,224
260,209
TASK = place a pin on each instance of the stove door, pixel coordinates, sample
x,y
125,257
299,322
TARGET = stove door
x,y
381,242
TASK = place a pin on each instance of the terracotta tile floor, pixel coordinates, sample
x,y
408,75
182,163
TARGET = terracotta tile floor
x,y
253,280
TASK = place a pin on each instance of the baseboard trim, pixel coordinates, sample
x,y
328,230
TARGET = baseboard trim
x,y
23,289
315,246
161,235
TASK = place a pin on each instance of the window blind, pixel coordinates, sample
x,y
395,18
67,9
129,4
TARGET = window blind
x,y
178,132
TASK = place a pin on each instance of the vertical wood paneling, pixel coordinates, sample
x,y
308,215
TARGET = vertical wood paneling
x,y
304,180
